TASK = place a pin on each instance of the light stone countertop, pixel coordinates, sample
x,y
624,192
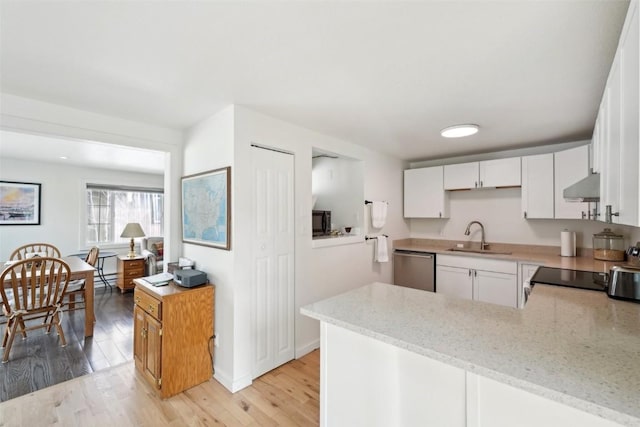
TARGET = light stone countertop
x,y
577,347
548,256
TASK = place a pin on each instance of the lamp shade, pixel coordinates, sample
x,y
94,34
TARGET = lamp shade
x,y
133,229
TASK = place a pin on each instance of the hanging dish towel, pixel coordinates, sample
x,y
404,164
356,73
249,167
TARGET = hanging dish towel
x,y
378,214
382,253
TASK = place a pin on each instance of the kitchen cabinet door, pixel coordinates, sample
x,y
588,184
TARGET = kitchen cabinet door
x,y
570,166
630,126
500,173
461,176
496,288
147,345
424,195
454,281
610,175
537,186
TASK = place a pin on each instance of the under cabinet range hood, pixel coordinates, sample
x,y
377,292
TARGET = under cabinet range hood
x,y
585,190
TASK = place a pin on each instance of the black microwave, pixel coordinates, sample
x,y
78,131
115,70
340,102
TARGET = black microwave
x,y
321,222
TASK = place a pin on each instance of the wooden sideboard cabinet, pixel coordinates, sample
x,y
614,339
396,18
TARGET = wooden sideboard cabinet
x,y
129,269
173,335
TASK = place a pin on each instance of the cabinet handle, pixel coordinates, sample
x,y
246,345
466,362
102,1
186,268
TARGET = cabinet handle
x,y
475,273
469,273
525,214
137,300
476,184
143,332
480,184
440,214
151,308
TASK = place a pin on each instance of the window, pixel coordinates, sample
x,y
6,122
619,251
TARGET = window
x,y
110,208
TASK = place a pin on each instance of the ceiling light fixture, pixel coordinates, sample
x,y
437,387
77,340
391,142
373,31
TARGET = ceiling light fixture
x,y
458,131
63,157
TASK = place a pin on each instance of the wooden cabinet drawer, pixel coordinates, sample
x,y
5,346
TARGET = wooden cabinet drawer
x,y
134,272
148,303
136,264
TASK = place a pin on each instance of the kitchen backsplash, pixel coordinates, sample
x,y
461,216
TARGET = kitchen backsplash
x,y
500,212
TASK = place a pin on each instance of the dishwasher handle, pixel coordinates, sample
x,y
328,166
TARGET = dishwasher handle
x,y
413,254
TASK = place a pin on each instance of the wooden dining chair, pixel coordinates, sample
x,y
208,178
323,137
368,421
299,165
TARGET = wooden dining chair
x,y
35,249
76,287
32,290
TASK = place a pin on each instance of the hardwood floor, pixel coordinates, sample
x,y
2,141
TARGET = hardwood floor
x,y
286,396
40,362
93,382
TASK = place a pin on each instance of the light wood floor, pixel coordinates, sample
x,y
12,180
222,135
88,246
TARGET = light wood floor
x,y
118,397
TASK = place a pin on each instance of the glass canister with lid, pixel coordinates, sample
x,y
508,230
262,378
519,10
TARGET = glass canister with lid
x,y
608,246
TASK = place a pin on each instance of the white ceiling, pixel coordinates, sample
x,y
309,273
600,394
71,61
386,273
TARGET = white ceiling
x,y
90,154
387,75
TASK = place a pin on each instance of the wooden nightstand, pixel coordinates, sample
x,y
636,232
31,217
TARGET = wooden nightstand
x,y
129,269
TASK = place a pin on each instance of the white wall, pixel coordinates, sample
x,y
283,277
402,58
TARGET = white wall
x,y
208,146
320,273
63,205
499,210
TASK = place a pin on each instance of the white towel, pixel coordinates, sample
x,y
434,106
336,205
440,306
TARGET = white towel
x,y
382,253
378,214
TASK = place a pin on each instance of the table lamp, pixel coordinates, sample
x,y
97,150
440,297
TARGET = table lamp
x,y
132,230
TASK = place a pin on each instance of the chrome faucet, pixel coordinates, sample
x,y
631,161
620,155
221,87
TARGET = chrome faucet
x,y
483,244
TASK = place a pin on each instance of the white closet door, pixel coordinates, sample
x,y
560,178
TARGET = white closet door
x,y
273,260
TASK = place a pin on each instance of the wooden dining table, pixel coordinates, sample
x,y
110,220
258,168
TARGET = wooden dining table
x,y
82,270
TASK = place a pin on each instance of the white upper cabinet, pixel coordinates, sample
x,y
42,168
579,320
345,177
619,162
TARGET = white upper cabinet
x,y
629,195
484,174
570,166
610,174
616,154
537,186
500,173
424,195
461,176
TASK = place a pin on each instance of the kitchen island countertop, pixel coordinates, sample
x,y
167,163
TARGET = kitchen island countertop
x,y
573,346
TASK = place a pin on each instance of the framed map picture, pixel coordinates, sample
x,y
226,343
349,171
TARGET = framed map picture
x,y
206,216
19,203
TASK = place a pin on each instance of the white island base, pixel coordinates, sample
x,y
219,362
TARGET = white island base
x,y
395,356
366,382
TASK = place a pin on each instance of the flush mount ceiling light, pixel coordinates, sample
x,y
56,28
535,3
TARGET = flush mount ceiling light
x,y
458,131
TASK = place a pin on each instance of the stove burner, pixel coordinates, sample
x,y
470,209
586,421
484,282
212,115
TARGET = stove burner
x,y
572,278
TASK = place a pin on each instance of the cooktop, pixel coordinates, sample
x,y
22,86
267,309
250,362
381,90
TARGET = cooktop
x,y
571,278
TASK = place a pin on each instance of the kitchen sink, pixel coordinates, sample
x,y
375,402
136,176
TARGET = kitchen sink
x,y
479,251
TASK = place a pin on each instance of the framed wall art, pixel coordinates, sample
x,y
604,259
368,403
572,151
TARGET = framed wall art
x,y
19,203
206,209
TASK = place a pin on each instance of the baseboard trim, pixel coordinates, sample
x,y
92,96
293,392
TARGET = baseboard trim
x,y
307,348
229,383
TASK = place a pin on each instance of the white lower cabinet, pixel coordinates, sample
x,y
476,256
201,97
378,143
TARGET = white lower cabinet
x,y
454,281
496,288
487,280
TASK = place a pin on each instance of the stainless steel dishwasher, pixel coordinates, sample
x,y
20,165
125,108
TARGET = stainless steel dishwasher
x,y
414,269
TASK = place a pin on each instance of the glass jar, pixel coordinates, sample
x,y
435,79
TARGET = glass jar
x,y
608,246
